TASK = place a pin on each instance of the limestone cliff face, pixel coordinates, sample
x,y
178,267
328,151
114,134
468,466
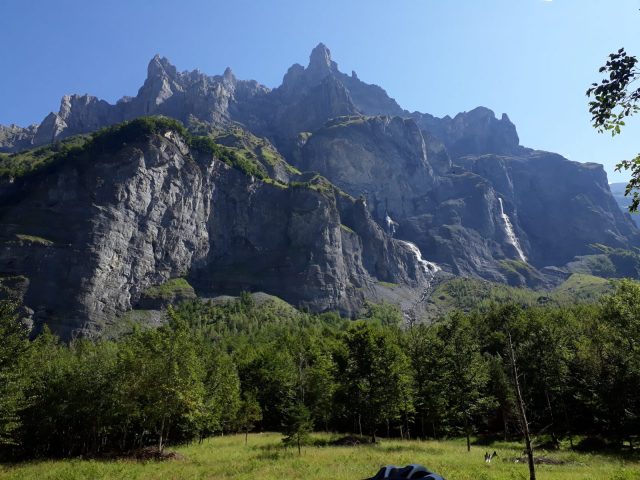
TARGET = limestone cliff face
x,y
90,236
14,137
412,189
476,214
382,158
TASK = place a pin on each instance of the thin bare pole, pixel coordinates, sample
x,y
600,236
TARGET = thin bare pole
x,y
523,414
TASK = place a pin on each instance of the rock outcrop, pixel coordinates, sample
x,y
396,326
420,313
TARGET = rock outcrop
x,y
14,138
474,132
383,159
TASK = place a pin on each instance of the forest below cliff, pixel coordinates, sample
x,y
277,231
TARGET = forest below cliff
x,y
245,365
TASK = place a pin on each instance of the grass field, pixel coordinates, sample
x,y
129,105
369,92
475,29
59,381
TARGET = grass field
x,y
265,458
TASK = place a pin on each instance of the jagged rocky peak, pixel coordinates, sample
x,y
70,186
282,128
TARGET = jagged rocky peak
x,y
480,130
481,117
367,98
320,66
161,66
14,137
320,63
228,75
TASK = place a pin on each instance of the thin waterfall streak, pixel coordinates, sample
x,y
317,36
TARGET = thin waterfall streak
x,y
511,235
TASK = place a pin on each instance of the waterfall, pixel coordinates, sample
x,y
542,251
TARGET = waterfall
x,y
391,225
429,268
511,236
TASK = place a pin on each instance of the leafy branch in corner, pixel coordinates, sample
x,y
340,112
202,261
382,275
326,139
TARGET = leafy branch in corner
x,y
614,99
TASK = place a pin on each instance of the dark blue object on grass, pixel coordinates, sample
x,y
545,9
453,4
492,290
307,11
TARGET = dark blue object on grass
x,y
410,472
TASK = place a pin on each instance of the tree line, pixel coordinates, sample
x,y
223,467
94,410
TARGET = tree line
x,y
236,367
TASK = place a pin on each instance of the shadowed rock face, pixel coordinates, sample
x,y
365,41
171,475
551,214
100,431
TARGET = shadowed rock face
x,y
462,189
91,236
563,206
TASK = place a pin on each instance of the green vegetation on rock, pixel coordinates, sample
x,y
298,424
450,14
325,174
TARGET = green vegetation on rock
x,y
111,139
14,165
319,184
470,294
515,266
34,239
232,157
105,141
254,149
387,284
170,289
346,120
581,288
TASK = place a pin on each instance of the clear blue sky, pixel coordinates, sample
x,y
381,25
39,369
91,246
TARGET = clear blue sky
x,y
532,59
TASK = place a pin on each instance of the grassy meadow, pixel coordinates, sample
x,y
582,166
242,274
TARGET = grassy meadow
x,y
265,458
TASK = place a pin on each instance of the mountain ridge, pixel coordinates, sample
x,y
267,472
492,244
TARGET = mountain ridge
x,y
83,113
461,190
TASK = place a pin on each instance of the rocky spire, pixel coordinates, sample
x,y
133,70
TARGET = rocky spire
x,y
160,66
320,63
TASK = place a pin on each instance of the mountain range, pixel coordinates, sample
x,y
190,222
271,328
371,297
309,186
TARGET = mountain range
x,y
322,191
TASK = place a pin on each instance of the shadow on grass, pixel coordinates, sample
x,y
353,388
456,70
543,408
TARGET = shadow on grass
x,y
273,454
331,441
142,455
608,448
593,445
